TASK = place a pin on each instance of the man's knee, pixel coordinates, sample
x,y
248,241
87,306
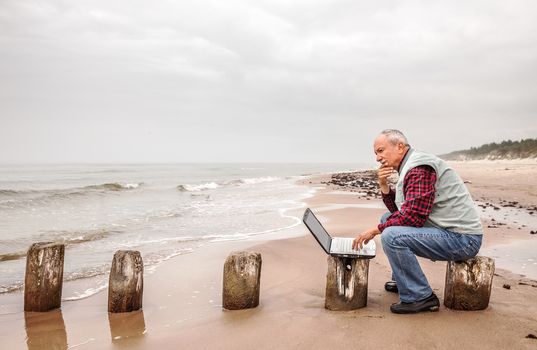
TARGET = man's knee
x,y
388,235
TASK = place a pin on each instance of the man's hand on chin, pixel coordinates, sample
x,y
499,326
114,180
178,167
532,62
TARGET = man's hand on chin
x,y
364,238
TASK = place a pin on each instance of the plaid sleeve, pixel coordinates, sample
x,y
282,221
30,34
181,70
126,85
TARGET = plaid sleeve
x,y
419,190
389,201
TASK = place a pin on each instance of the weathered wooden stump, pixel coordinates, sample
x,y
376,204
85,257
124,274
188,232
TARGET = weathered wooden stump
x,y
468,283
44,277
126,286
242,276
346,283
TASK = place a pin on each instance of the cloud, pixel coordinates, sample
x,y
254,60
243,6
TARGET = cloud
x,y
307,81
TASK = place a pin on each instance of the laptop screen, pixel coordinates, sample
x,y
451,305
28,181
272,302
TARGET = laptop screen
x,y
317,230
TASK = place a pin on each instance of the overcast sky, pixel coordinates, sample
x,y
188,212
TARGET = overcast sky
x,y
260,80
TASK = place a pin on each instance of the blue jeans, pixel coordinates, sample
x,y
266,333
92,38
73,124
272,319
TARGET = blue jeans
x,y
403,243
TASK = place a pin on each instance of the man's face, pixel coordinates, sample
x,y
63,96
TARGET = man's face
x,y
388,154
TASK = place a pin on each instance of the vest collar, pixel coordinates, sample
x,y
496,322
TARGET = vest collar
x,y
405,158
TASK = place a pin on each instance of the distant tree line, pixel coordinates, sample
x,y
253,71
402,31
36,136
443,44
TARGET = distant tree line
x,y
526,148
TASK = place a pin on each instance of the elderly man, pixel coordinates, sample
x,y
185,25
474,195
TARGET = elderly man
x,y
431,215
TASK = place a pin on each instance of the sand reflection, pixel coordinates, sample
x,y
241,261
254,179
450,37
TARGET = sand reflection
x,y
127,328
45,330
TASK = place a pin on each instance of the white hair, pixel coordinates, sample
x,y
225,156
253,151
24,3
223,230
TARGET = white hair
x,y
395,137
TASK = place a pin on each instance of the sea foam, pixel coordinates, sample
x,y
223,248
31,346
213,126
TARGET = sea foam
x,y
197,188
236,182
258,180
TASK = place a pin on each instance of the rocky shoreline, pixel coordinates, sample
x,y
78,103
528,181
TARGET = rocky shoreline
x,y
363,182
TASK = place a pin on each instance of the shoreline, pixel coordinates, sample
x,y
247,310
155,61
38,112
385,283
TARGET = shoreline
x,y
182,300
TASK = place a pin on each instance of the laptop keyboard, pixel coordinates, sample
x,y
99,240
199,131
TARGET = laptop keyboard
x,y
344,245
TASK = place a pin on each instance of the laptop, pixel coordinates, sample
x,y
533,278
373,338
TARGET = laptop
x,y
336,246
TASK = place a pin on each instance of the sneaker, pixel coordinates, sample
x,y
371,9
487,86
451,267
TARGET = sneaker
x,y
430,303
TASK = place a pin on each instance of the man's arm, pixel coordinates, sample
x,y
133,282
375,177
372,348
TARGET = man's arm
x,y
388,195
419,190
389,201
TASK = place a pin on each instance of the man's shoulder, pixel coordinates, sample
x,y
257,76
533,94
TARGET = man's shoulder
x,y
421,156
419,159
420,170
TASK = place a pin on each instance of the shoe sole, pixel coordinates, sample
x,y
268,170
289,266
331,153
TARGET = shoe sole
x,y
430,309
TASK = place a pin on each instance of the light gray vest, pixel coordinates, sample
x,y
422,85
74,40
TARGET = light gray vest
x,y
453,207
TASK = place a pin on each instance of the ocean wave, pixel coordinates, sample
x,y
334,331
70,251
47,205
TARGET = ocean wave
x,y
23,198
236,182
172,240
109,186
12,287
224,238
258,180
77,236
87,293
114,186
197,188
65,237
9,192
12,256
87,272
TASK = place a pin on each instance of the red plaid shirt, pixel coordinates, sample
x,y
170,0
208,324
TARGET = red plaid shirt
x,y
419,192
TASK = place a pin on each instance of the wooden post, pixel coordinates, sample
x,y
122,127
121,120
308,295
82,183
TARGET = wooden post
x,y
346,283
126,286
242,276
44,277
469,283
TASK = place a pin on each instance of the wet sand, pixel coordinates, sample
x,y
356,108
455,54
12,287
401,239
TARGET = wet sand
x,y
182,299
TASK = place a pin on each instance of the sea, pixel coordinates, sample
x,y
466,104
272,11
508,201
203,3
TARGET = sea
x,y
161,210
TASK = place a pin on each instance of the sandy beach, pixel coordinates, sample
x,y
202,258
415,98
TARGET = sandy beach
x,y
182,298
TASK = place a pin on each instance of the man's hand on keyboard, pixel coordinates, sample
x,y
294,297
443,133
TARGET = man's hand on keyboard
x,y
364,238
